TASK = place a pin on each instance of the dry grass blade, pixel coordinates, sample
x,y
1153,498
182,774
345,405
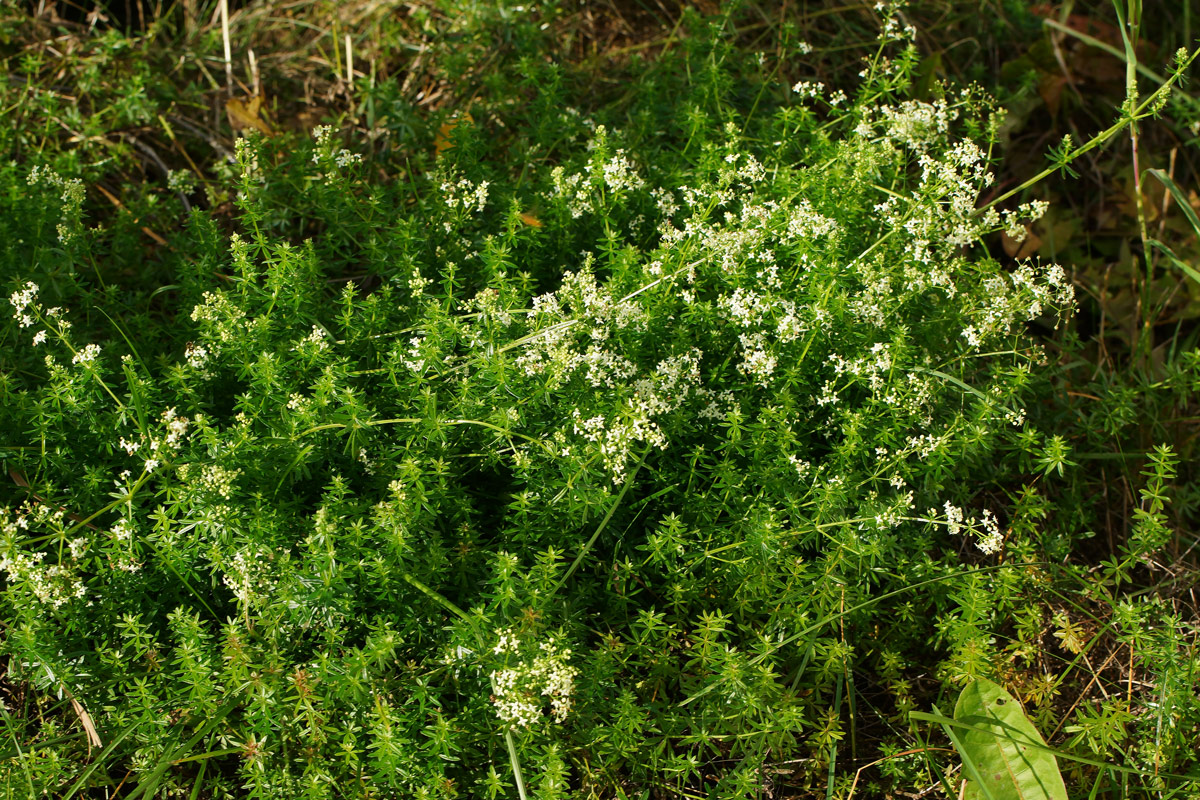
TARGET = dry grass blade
x,y
85,719
224,9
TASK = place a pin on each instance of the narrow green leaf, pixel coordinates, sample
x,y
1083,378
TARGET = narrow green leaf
x,y
10,728
1186,269
969,768
1007,751
1180,197
149,784
921,716
100,759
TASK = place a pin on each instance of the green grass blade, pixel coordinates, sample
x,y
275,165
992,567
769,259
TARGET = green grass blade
x,y
968,763
100,759
8,725
1180,198
922,716
1183,267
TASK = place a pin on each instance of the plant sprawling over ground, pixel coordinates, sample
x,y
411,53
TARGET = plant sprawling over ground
x,y
677,444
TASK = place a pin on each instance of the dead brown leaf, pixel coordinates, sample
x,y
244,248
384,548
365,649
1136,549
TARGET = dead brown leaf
x,y
442,141
248,115
1021,250
85,719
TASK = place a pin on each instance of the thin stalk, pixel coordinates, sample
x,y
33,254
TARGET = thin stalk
x,y
509,742
1142,342
821,623
417,420
612,509
1140,112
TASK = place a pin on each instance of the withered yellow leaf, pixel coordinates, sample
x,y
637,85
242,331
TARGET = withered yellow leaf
x,y
248,115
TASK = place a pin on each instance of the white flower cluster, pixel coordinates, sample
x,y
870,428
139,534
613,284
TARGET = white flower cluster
x,y
412,358
196,356
665,201
181,180
72,197
616,173
988,537
674,381
816,90
23,300
575,191
317,341
768,320
27,311
518,688
741,168
809,89
157,447
87,356
488,304
939,218
1023,295
212,479
617,436
122,534
806,223
245,155
575,333
756,262
464,195
221,320
246,575
940,215
580,309
52,584
417,283
1016,223
330,157
757,360
915,123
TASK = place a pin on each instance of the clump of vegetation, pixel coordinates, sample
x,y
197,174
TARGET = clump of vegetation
x,y
680,441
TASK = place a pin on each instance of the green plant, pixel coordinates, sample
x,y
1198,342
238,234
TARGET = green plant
x,y
630,449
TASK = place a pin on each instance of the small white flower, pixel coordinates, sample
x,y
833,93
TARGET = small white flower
x,y
195,355
993,541
954,518
809,89
87,356
24,297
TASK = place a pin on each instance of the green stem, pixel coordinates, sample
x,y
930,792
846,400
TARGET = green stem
x,y
612,509
1096,141
816,626
416,421
509,742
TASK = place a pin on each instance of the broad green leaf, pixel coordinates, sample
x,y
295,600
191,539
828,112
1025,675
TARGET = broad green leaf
x,y
1006,751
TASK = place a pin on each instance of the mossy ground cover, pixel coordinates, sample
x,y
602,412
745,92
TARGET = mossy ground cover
x,y
595,400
